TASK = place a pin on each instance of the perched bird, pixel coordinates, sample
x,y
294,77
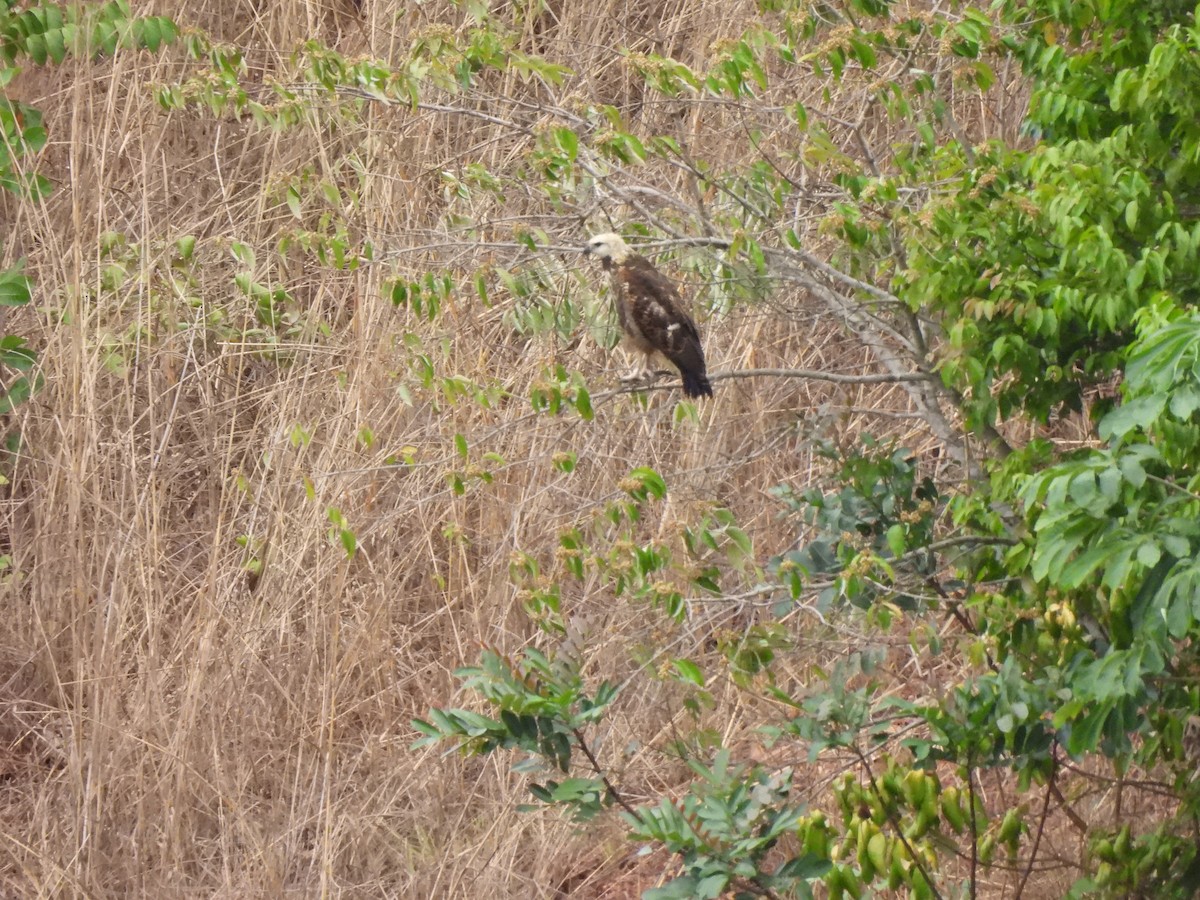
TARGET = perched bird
x,y
652,318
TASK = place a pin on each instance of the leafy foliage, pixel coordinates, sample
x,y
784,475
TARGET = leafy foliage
x,y
883,509
48,33
1039,269
724,831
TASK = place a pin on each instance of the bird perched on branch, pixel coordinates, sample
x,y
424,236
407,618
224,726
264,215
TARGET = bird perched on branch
x,y
651,315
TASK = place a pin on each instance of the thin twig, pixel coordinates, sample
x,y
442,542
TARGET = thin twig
x,y
1037,838
818,375
974,833
608,785
894,821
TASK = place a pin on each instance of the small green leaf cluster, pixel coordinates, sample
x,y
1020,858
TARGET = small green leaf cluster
x,y
737,70
437,60
560,318
424,296
480,472
559,390
275,309
15,352
168,278
612,547
466,189
48,32
724,829
322,206
21,135
425,371
543,707
340,531
869,533
543,306
837,712
751,653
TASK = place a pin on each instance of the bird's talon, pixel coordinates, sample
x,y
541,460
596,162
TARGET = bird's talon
x,y
639,376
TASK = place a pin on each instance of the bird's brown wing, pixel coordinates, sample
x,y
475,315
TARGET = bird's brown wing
x,y
654,314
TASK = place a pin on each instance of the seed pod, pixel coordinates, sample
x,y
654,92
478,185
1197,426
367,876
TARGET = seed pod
x,y
877,851
916,787
1010,830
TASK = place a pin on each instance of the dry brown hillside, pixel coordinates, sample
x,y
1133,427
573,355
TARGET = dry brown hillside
x,y
201,692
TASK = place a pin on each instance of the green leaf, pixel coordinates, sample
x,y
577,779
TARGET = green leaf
x,y
1118,567
19,390
1131,469
1137,413
805,867
443,723
293,201
689,671
1185,401
35,46
16,355
1179,617
681,888
1176,545
713,886
1085,732
583,403
424,727
741,540
1131,214
55,45
651,483
243,253
568,140
1080,568
16,289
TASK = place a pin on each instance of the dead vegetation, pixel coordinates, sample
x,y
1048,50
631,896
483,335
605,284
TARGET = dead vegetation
x,y
200,694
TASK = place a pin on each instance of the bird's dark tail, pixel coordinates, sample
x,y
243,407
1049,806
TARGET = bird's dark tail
x,y
695,384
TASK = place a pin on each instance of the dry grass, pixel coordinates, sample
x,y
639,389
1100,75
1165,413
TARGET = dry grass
x,y
171,726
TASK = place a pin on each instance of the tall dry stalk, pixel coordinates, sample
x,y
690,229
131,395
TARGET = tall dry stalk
x,y
176,722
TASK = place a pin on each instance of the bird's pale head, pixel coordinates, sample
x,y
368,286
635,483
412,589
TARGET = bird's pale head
x,y
609,248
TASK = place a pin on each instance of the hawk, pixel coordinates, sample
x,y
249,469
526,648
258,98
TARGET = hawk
x,y
651,315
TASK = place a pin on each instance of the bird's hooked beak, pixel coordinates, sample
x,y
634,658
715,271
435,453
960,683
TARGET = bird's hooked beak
x,y
606,261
